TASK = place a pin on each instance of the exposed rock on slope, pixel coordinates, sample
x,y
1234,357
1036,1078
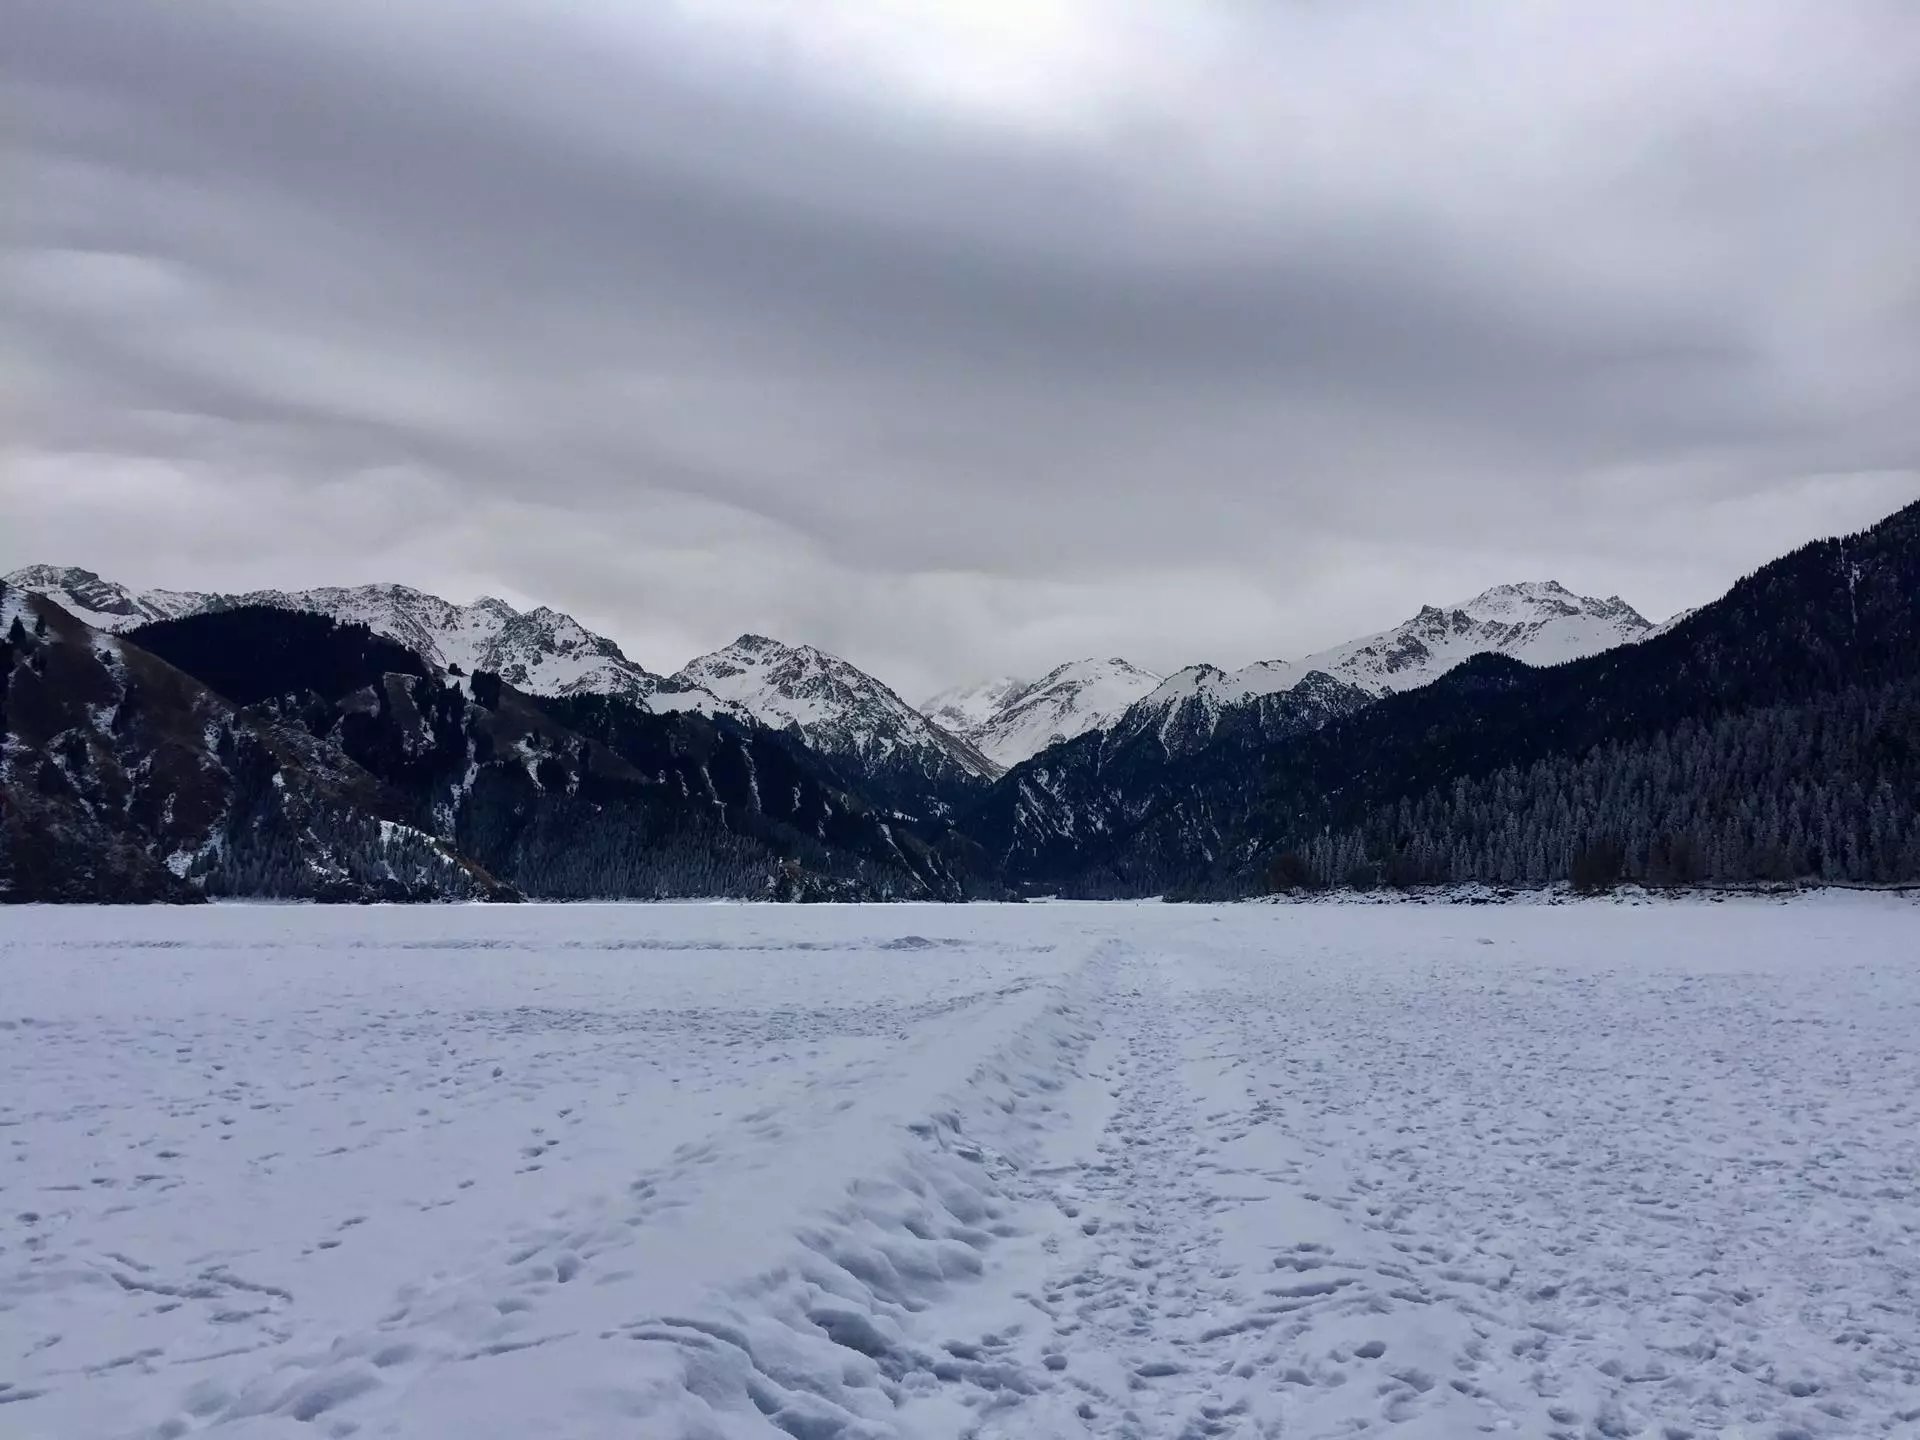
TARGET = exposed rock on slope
x,y
124,778
1010,720
541,651
845,714
1538,622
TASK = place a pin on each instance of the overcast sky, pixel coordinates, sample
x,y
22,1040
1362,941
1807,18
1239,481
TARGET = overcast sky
x,y
957,337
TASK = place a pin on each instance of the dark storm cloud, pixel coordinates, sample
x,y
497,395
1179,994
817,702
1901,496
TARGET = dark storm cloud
x,y
959,339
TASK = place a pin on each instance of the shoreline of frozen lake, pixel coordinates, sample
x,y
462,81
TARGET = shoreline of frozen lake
x,y
992,1171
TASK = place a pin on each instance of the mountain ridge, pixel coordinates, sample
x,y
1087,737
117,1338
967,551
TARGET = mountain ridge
x,y
264,751
1770,734
1539,622
542,650
1009,720
843,712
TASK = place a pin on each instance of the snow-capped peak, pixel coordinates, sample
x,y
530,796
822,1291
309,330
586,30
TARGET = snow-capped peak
x,y
103,604
1009,720
835,706
1535,602
1540,622
541,651
965,708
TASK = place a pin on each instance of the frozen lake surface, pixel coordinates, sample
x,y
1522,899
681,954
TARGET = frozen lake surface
x,y
850,1173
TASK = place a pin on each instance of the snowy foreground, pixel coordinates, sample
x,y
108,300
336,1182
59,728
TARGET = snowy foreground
x,y
1028,1171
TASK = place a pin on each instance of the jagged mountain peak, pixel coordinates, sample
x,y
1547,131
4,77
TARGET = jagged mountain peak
x,y
542,651
837,708
101,603
963,708
558,631
40,577
1540,622
785,667
1543,600
1009,719
262,750
1520,590
1092,669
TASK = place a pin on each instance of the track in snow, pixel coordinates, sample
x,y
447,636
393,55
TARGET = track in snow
x,y
1050,1171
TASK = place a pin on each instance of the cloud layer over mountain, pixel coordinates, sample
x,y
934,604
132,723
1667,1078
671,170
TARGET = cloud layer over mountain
x,y
957,339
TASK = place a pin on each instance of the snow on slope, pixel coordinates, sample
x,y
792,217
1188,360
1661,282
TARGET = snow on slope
x,y
1010,720
540,651
965,708
1679,618
1538,622
101,603
887,1173
838,708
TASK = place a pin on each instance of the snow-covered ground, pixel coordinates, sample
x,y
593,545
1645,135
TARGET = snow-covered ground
x,y
1055,1170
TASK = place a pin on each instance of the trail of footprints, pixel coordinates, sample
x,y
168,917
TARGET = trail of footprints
x,y
1142,1329
458,1321
1150,1331
1145,1322
1143,1292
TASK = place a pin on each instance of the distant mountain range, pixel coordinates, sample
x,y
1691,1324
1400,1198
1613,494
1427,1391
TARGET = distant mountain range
x,y
377,741
1541,623
541,651
262,751
1773,734
939,749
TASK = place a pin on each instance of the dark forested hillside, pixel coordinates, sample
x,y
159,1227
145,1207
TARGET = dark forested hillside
x,y
1130,810
255,652
628,804
1784,647
124,778
774,788
1772,735
1245,812
1821,789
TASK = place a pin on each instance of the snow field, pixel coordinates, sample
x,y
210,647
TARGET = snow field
x,y
844,1173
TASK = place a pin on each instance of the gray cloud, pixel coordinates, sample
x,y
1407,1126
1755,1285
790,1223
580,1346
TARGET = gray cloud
x,y
959,338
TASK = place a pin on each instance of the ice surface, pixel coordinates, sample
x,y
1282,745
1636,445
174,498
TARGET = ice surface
x,y
1054,1170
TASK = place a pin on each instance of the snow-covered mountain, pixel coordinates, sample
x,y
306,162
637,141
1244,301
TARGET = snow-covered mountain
x,y
960,736
1008,720
837,708
540,651
103,604
965,708
1676,619
1540,622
